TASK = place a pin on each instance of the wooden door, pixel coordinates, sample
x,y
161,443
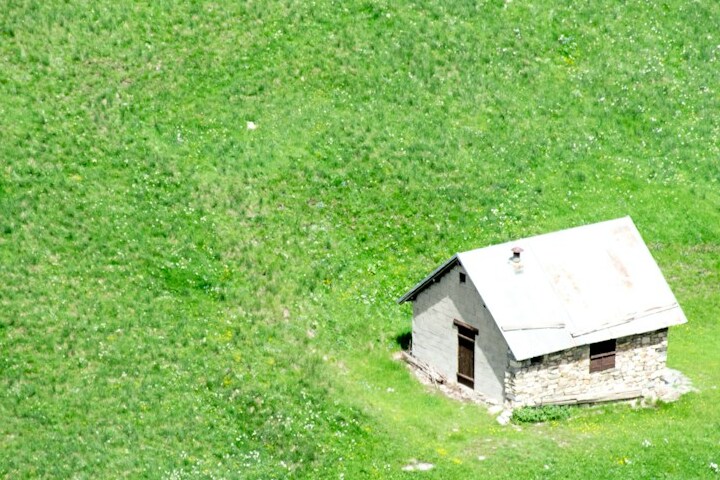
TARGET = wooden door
x,y
466,358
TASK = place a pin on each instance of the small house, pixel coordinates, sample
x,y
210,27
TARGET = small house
x,y
575,316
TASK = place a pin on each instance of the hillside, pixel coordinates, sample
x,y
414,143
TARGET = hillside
x,y
208,210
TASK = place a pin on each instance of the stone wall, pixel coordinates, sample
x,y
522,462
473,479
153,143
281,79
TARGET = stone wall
x,y
565,378
435,339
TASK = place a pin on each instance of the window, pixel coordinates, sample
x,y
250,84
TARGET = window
x,y
602,356
462,277
536,360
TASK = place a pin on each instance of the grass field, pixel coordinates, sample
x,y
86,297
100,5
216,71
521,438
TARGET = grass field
x,y
207,211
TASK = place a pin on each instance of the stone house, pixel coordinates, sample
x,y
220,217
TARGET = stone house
x,y
576,316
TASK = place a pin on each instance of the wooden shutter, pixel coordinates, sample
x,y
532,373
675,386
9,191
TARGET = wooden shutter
x,y
602,356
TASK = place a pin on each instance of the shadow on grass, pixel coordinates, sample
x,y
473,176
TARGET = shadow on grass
x,y
404,340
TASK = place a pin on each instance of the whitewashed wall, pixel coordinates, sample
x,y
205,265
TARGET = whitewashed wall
x,y
434,339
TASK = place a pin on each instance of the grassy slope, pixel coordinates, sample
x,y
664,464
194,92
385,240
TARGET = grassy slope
x,y
182,296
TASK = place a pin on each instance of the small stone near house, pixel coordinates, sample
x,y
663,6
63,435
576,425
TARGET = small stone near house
x,y
575,316
414,465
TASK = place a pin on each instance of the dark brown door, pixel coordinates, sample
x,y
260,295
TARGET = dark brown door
x,y
466,359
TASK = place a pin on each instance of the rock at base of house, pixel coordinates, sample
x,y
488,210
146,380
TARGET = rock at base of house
x,y
504,417
495,409
673,385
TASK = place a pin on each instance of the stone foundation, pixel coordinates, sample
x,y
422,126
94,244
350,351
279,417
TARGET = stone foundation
x,y
565,378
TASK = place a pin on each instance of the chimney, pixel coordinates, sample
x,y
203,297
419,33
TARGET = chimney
x,y
516,251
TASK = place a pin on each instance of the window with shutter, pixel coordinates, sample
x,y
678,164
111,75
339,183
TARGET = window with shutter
x,y
602,355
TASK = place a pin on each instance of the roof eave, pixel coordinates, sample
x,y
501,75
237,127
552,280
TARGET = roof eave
x,y
413,292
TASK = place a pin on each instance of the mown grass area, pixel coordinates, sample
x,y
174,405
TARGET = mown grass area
x,y
183,296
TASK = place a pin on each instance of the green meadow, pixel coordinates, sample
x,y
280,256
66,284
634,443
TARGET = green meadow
x,y
208,210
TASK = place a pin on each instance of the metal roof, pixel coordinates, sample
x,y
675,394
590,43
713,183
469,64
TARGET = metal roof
x,y
573,287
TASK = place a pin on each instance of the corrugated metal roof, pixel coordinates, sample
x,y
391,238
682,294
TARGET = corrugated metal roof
x,y
570,288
